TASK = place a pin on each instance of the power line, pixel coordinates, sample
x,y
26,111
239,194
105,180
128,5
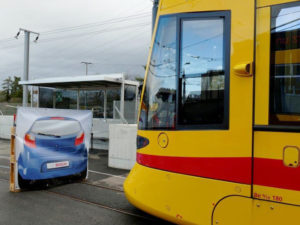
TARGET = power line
x,y
287,28
285,14
284,24
82,34
95,32
7,40
111,43
89,25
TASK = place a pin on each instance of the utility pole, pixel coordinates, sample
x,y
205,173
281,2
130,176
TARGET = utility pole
x,y
86,66
26,60
86,73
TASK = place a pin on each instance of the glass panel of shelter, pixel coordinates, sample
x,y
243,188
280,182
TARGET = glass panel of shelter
x,y
91,100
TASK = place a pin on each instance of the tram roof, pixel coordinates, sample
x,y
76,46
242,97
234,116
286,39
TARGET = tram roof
x,y
81,82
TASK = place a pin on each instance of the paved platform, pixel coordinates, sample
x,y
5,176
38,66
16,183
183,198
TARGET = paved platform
x,y
98,201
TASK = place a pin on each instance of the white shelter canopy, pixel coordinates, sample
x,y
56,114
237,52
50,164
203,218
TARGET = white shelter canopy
x,y
87,82
81,82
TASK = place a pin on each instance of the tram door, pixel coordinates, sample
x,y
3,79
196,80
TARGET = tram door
x,y
277,103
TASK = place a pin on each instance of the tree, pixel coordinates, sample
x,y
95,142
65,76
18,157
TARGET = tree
x,y
7,86
139,79
16,88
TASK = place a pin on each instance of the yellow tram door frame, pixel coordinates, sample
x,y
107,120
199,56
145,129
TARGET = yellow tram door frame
x,y
275,198
276,145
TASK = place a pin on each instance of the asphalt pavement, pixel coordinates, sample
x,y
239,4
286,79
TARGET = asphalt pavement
x,y
98,200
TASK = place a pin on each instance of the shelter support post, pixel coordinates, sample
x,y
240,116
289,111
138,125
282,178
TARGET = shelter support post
x,y
38,98
114,110
136,103
105,104
78,95
54,99
31,96
122,97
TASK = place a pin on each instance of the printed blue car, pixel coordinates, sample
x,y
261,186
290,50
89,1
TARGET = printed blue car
x,y
53,147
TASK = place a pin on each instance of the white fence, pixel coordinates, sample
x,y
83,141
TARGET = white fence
x,y
130,111
6,123
122,146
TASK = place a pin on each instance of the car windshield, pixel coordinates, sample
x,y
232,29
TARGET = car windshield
x,y
53,127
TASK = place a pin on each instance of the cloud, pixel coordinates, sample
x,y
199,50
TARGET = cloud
x,y
111,47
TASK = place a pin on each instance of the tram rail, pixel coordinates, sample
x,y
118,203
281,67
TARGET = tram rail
x,y
95,203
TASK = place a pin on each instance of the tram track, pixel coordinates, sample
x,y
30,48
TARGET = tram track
x,y
100,205
90,183
121,211
97,204
101,186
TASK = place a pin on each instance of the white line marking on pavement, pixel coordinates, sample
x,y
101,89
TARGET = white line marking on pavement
x,y
108,174
91,171
5,167
5,157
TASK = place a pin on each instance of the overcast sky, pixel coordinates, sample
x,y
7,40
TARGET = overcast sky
x,y
114,35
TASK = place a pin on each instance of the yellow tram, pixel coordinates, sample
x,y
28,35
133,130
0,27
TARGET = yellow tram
x,y
219,126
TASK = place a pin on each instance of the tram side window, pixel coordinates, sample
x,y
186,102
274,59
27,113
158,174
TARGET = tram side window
x,y
158,105
285,65
202,72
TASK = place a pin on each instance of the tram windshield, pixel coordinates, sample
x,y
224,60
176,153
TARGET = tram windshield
x,y
185,83
158,106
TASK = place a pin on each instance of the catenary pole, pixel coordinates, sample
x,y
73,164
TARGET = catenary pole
x,y
26,60
26,67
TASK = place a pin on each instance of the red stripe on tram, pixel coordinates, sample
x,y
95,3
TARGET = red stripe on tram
x,y
227,169
267,172
273,173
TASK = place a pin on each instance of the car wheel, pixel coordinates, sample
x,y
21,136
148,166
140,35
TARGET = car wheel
x,y
83,174
23,184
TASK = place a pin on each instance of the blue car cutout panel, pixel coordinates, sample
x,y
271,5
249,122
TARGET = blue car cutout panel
x,y
53,147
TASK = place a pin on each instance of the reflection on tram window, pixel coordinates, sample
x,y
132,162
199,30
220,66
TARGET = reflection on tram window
x,y
158,106
285,65
202,75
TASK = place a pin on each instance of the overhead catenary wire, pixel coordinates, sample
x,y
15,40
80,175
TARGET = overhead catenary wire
x,y
111,43
97,24
87,26
108,45
287,28
42,41
88,31
136,33
103,46
95,32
